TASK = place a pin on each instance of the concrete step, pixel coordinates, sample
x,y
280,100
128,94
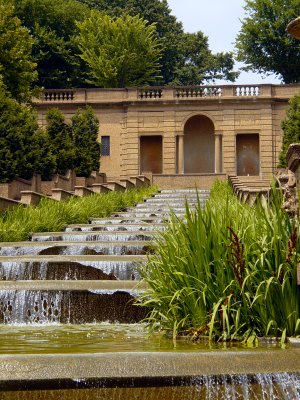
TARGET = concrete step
x,y
94,236
138,226
129,220
149,214
75,248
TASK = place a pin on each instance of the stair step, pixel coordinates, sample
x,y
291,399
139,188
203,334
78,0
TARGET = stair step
x,y
73,248
104,286
114,227
94,236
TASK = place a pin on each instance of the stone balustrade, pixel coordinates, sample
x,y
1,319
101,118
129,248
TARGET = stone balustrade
x,y
164,93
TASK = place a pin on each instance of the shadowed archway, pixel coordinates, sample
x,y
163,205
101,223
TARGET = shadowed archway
x,y
199,145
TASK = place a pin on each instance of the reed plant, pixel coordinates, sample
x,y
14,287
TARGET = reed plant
x,y
228,271
17,223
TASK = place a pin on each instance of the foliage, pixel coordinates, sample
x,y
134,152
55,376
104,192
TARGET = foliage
x,y
61,141
168,28
52,24
17,69
197,63
70,145
19,152
17,223
228,271
263,43
121,51
85,134
291,128
56,52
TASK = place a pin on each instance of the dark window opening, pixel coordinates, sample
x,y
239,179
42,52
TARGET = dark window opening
x,y
105,145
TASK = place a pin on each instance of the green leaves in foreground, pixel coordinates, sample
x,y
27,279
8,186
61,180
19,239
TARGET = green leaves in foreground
x,y
228,271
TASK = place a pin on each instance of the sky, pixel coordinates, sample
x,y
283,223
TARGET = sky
x,y
220,20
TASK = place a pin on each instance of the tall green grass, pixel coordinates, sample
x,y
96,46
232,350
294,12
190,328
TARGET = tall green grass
x,y
227,271
17,223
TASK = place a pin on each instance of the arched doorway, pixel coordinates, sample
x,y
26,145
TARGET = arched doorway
x,y
199,145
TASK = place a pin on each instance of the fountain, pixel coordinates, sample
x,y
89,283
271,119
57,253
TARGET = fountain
x,y
59,291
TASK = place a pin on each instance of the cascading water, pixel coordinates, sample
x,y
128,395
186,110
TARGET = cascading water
x,y
89,274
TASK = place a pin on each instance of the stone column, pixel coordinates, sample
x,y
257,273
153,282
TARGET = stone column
x,y
180,154
218,153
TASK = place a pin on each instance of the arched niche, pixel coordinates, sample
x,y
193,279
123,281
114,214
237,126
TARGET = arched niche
x,y
199,145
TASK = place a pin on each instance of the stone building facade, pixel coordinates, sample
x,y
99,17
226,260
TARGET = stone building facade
x,y
170,132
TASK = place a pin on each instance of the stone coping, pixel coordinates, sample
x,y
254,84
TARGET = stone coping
x,y
84,243
74,285
69,258
115,369
95,233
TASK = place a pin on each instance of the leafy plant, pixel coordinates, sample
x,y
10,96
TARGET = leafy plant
x,y
227,271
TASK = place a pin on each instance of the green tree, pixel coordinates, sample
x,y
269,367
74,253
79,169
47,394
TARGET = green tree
x,y
168,28
263,43
53,25
61,142
17,69
85,134
122,51
291,128
19,153
41,155
198,64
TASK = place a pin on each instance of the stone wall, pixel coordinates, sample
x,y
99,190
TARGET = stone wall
x,y
127,114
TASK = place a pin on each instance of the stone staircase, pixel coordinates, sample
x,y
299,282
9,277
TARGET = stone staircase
x,y
89,272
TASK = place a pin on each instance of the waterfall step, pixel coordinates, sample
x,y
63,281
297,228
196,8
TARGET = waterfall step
x,y
73,248
89,272
76,267
94,236
147,214
114,227
129,220
75,302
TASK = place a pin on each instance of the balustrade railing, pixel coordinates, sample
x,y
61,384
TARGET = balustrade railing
x,y
167,93
198,91
150,93
59,95
247,91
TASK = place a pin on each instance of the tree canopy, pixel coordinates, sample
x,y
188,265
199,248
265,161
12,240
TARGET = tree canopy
x,y
17,68
53,26
198,64
122,51
263,43
18,129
